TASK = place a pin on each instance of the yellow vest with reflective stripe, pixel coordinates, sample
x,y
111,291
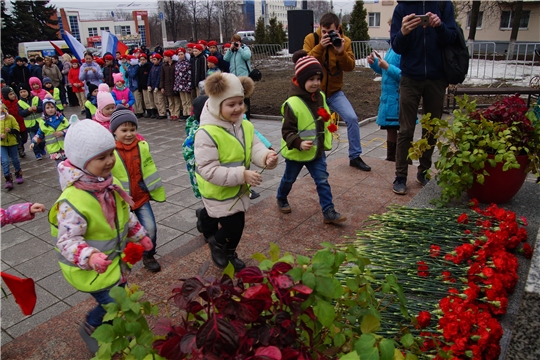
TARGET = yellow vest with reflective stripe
x,y
56,97
307,130
231,154
98,235
52,143
150,175
90,107
30,120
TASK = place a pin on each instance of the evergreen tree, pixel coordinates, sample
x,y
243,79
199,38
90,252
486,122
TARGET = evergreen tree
x,y
10,38
276,34
260,32
358,27
33,20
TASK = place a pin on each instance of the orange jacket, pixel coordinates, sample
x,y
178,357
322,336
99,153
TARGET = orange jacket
x,y
333,64
132,159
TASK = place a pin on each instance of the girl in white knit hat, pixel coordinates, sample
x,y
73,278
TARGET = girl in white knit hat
x,y
92,220
225,146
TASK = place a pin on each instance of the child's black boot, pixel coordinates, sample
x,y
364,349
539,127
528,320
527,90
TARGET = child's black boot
x,y
86,330
232,256
219,252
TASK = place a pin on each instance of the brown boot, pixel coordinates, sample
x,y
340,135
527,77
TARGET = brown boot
x,y
390,151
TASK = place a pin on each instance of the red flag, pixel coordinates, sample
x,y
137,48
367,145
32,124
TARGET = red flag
x,y
122,48
23,290
58,50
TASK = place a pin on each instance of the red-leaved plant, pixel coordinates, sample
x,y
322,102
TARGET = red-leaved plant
x,y
263,321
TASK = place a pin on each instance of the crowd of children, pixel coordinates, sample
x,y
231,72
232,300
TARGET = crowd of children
x,y
108,176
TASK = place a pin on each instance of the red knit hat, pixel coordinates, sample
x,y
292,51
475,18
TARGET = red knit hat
x,y
108,57
168,53
198,47
212,43
202,42
99,61
226,45
213,60
143,55
305,67
74,61
156,56
181,50
190,45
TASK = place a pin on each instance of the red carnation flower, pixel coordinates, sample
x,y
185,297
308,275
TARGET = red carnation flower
x,y
473,204
527,250
422,269
463,219
523,221
133,253
434,250
332,128
424,319
323,114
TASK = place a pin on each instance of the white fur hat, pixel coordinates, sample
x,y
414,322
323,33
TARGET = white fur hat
x,y
85,140
221,86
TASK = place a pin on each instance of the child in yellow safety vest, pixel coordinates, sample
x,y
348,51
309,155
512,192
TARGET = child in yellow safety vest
x,y
90,106
225,146
57,95
138,175
52,129
92,221
31,108
305,137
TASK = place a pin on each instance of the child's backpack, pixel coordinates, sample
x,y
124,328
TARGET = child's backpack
x,y
192,124
455,56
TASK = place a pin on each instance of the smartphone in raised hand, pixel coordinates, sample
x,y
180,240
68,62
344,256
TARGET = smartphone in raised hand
x,y
424,19
377,54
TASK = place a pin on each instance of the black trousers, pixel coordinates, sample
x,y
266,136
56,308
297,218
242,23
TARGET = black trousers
x,y
231,229
247,101
411,91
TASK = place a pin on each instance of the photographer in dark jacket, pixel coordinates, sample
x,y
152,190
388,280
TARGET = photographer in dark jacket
x,y
422,75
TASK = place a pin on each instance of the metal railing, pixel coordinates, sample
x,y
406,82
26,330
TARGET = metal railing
x,y
482,62
523,64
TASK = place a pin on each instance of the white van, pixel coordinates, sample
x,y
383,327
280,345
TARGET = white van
x,y
41,48
250,35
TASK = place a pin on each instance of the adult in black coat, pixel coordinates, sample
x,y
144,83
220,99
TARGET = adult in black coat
x,y
6,67
19,74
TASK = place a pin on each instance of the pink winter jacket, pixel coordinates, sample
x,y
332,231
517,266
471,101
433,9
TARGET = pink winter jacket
x,y
16,213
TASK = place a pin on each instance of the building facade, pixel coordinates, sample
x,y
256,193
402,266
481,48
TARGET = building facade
x,y
267,9
88,32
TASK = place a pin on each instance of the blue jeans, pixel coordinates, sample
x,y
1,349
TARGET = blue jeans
x,y
148,221
7,153
38,148
317,170
339,103
95,317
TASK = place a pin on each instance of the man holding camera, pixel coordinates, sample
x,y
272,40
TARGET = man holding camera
x,y
418,33
335,54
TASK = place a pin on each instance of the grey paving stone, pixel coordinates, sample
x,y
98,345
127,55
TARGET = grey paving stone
x,y
57,285
164,210
12,314
39,225
37,319
183,220
13,237
174,244
76,298
166,234
7,198
40,266
184,198
6,337
25,251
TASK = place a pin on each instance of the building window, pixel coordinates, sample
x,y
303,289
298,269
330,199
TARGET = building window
x,y
104,28
478,22
122,30
74,26
142,32
374,19
507,18
92,31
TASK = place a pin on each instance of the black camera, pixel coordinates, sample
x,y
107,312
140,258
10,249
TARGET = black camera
x,y
334,38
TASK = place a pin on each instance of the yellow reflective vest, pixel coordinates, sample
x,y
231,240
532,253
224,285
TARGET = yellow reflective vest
x,y
30,120
56,97
98,235
53,144
307,130
150,175
90,107
231,154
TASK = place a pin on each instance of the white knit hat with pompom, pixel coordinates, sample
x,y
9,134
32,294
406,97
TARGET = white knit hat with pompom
x,y
85,140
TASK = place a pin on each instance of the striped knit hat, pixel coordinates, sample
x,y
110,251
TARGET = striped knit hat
x,y
122,115
305,67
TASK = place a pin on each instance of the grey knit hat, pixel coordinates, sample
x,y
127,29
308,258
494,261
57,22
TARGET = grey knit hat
x,y
122,115
85,140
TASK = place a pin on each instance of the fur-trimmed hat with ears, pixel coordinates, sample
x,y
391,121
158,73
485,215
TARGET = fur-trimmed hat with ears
x,y
48,99
118,77
222,86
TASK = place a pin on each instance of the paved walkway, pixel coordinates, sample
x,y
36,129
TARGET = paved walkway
x,y
28,248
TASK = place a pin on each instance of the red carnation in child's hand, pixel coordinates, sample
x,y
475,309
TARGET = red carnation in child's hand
x,y
332,128
424,319
133,253
323,114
